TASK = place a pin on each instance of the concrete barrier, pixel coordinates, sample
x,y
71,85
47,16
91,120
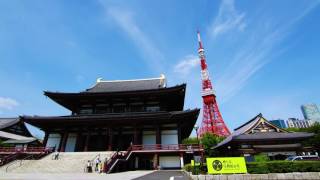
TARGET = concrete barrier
x,y
295,175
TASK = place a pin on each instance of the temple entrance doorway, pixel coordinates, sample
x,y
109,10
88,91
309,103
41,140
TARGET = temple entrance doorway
x,y
146,162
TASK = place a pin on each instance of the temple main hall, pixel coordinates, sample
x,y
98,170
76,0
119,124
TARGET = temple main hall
x,y
144,116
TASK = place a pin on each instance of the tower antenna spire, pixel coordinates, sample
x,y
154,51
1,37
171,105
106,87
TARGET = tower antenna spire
x,y
199,40
212,121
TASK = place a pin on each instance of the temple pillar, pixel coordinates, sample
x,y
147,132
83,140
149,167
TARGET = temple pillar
x,y
78,142
63,142
120,144
136,162
45,139
179,133
86,144
110,139
135,136
158,135
155,161
181,160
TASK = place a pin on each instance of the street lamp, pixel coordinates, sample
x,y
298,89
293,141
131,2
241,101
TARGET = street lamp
x,y
196,128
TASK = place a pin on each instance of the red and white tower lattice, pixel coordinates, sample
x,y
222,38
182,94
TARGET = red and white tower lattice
x,y
212,121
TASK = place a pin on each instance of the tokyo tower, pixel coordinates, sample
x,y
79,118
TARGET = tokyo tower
x,y
212,121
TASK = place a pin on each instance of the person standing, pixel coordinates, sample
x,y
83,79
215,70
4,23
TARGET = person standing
x,y
97,162
89,167
56,155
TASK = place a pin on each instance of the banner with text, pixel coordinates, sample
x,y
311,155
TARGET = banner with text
x,y
227,165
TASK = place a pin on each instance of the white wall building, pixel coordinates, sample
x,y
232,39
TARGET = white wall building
x,y
298,123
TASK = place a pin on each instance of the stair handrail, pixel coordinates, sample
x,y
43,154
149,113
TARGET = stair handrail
x,y
7,159
44,151
20,161
115,159
109,162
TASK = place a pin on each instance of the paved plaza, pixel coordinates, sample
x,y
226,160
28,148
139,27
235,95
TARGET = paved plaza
x,y
74,176
159,175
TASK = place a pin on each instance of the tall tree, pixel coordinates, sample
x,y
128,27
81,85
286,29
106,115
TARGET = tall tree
x,y
208,141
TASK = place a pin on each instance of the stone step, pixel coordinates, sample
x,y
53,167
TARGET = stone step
x,y
68,162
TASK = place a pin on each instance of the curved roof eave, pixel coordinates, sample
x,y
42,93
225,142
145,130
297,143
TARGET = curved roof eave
x,y
50,93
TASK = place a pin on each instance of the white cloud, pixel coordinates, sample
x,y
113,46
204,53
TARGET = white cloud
x,y
8,103
124,19
254,54
186,64
228,18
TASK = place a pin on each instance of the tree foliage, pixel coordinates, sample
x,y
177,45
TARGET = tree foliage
x,y
208,141
294,129
314,141
190,140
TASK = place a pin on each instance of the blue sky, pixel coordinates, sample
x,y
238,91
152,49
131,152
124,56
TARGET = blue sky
x,y
263,56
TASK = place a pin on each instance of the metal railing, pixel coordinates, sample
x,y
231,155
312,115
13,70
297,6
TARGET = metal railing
x,y
20,161
9,158
173,147
26,149
16,152
115,158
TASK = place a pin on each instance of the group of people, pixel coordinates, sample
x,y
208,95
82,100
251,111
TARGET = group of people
x,y
97,164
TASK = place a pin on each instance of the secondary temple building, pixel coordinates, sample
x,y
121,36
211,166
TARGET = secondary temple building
x,y
144,115
13,132
258,135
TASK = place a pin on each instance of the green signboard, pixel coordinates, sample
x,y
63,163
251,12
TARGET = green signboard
x,y
227,165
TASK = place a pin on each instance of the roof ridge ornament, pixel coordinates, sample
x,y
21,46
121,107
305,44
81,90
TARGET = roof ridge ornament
x,y
100,79
163,82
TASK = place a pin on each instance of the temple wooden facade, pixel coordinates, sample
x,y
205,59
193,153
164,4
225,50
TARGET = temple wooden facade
x,y
144,115
258,135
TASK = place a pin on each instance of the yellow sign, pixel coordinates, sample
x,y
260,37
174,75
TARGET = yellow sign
x,y
228,165
192,163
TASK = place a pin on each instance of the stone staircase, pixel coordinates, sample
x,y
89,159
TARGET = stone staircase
x,y
68,162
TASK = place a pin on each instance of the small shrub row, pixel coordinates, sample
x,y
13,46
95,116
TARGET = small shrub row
x,y
270,167
196,169
188,167
283,167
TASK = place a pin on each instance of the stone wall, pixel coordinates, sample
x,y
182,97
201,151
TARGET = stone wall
x,y
295,175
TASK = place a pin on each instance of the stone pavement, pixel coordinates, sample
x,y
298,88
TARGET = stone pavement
x,y
73,176
164,175
284,176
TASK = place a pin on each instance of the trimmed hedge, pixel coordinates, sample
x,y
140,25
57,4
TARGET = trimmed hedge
x,y
283,167
272,167
188,167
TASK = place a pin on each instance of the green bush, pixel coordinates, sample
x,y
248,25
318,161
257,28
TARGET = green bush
x,y
261,158
283,167
196,169
188,167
